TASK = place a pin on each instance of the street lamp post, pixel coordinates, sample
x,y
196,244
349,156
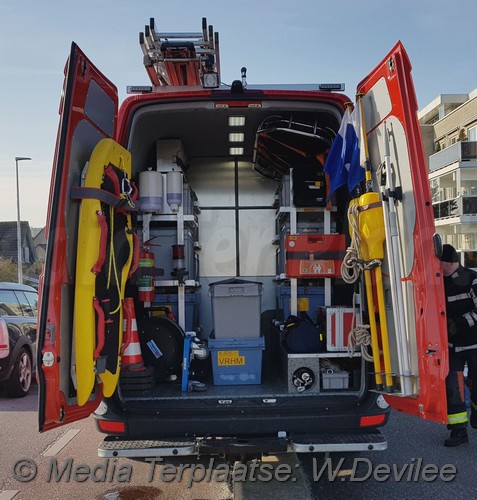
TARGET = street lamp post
x,y
19,229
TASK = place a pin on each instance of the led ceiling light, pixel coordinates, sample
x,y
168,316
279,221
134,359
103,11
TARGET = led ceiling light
x,y
236,121
236,137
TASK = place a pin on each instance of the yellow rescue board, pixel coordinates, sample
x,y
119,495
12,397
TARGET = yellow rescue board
x,y
101,275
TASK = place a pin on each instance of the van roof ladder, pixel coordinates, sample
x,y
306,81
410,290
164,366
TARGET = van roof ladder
x,y
181,59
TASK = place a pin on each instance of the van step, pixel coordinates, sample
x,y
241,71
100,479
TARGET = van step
x,y
341,442
113,447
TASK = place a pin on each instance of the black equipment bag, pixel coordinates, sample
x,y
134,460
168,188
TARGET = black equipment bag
x,y
309,186
302,335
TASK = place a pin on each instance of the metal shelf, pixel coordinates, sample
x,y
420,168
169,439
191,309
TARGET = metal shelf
x,y
171,218
191,283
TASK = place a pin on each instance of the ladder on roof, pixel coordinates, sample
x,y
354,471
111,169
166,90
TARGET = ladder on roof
x,y
181,59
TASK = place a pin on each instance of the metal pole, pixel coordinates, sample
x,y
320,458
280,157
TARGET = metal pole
x,y
19,229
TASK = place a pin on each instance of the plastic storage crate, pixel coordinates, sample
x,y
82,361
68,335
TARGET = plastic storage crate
x,y
335,380
237,361
170,301
314,255
236,307
302,228
310,299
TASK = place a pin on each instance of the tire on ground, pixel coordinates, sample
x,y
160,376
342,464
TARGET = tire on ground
x,y
19,383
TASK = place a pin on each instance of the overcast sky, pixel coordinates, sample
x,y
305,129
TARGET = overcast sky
x,y
279,41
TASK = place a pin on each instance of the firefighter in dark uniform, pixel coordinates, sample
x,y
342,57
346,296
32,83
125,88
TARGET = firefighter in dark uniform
x,y
461,305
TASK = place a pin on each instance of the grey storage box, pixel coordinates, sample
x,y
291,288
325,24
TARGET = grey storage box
x,y
335,380
236,308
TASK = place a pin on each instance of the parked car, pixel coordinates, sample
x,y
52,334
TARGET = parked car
x,y
18,319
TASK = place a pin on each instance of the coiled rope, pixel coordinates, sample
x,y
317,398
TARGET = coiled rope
x,y
351,269
352,264
360,335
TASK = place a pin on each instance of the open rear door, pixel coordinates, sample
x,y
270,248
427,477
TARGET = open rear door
x,y
413,289
88,113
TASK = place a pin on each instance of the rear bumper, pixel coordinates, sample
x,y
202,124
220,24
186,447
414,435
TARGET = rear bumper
x,y
299,427
113,447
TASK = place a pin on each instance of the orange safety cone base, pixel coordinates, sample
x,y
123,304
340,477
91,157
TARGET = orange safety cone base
x,y
131,358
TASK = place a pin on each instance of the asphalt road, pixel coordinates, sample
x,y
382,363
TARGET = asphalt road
x,y
67,465
63,464
415,466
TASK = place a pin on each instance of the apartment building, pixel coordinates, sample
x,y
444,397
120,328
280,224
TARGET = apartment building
x,y
449,131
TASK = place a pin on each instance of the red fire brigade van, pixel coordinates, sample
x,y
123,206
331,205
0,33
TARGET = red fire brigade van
x,y
214,280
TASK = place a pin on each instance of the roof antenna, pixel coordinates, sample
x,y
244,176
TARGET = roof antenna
x,y
244,77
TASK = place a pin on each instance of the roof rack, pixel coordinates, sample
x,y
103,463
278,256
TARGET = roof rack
x,y
181,59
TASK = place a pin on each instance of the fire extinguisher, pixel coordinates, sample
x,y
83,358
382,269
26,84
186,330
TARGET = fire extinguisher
x,y
146,274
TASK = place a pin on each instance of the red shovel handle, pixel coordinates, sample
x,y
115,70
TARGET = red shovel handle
x,y
128,330
100,330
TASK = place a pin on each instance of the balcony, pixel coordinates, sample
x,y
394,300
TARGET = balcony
x,y
458,152
462,206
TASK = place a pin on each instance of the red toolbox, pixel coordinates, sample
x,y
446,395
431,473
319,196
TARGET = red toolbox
x,y
314,255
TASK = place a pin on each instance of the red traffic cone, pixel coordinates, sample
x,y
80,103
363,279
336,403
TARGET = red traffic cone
x,y
131,357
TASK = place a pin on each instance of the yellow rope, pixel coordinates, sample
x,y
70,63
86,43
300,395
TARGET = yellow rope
x,y
112,259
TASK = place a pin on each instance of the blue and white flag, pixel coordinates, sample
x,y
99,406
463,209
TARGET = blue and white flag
x,y
357,166
345,161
